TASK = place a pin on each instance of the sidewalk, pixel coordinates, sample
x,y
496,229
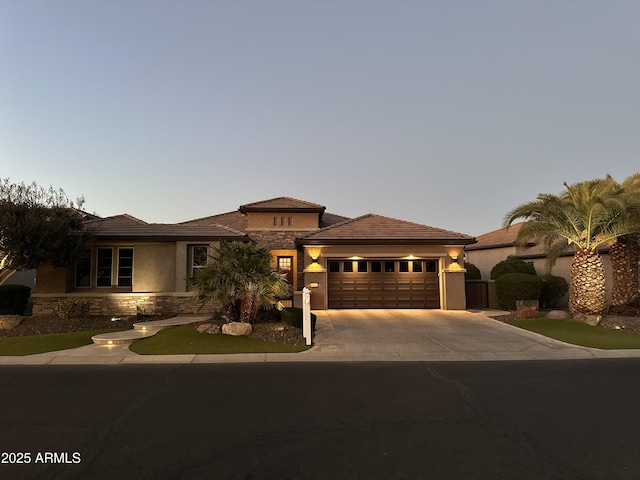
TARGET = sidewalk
x,y
333,343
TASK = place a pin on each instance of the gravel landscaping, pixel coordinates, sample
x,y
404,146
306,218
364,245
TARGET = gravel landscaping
x,y
268,331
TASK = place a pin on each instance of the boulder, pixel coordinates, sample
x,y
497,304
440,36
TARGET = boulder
x,y
558,314
8,322
209,328
592,320
237,328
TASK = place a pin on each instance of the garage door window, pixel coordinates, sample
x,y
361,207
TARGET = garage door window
x,y
362,266
432,266
403,266
334,267
417,266
389,267
376,267
347,267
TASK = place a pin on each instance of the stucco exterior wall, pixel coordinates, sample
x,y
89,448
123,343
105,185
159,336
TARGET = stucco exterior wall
x,y
265,221
154,267
52,280
486,259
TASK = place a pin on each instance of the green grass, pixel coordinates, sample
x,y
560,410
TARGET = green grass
x,y
30,345
577,333
185,340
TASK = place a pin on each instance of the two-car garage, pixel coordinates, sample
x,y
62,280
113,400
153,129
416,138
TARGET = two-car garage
x,y
383,283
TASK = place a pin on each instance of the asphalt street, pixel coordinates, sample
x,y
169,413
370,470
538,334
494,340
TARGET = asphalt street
x,y
571,419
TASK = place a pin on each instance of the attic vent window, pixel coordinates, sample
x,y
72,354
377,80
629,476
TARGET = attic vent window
x,y
284,221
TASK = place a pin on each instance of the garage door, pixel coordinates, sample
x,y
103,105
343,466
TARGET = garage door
x,y
383,284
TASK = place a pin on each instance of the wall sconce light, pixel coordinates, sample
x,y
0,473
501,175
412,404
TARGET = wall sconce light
x,y
314,260
454,259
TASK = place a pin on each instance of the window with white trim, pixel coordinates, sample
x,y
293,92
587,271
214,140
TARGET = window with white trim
x,y
104,267
125,267
198,257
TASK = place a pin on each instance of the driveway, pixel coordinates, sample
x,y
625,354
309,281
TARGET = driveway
x,y
418,335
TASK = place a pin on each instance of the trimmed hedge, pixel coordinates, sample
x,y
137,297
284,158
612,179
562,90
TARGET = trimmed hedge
x,y
517,286
13,299
553,289
512,265
293,316
473,272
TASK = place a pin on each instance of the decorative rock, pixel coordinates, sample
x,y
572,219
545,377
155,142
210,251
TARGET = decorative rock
x,y
592,320
558,314
237,328
209,328
8,322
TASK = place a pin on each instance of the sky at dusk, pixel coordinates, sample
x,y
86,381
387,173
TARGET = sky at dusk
x,y
444,113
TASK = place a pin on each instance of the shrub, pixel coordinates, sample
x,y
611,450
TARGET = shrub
x,y
13,299
553,289
293,316
473,272
517,286
73,308
512,265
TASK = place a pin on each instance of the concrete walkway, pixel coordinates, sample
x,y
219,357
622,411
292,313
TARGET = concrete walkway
x,y
369,335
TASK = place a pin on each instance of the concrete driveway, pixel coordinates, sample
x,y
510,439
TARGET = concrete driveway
x,y
434,335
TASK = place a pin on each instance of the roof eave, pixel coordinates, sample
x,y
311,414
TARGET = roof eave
x,y
172,238
384,241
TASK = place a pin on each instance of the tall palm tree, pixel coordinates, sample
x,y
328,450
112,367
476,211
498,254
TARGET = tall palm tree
x,y
624,252
241,278
584,216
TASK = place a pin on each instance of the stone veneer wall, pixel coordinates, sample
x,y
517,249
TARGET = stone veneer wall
x,y
127,303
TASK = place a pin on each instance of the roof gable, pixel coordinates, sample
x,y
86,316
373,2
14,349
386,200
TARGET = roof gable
x,y
372,228
282,204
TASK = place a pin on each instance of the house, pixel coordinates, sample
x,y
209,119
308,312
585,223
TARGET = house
x,y
370,261
494,247
498,245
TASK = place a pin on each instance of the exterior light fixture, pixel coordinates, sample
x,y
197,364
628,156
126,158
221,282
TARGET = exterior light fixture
x,y
454,259
314,260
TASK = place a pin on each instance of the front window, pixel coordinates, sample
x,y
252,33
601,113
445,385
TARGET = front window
x,y
105,266
199,257
125,267
83,270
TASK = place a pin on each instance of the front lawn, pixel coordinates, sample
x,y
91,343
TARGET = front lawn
x,y
186,340
577,333
32,344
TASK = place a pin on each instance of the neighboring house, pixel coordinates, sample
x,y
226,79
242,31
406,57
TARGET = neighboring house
x,y
367,262
493,247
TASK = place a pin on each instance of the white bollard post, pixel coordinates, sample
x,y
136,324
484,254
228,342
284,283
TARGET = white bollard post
x,y
306,315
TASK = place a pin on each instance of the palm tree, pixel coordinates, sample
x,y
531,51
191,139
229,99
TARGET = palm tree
x,y
624,252
241,278
584,216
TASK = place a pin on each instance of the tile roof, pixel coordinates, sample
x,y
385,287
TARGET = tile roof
x,y
373,228
234,220
126,226
282,204
502,237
